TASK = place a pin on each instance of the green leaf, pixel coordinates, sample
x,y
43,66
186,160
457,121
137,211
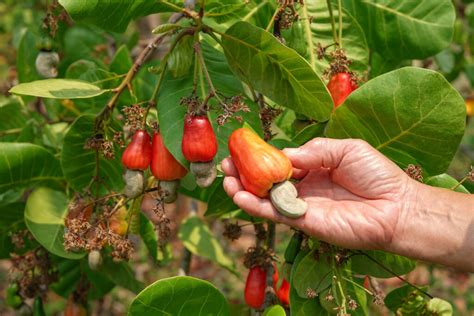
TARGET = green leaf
x,y
219,203
439,307
199,239
275,70
182,57
179,296
446,181
165,28
275,310
302,306
353,40
313,274
309,132
44,216
69,274
121,62
397,264
23,165
26,58
79,164
148,234
398,296
411,115
58,89
405,30
12,120
113,15
11,219
121,274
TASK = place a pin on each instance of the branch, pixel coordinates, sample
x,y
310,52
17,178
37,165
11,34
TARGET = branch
x,y
146,52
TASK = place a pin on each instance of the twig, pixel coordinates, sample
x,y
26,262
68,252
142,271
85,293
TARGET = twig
x,y
393,273
146,52
270,296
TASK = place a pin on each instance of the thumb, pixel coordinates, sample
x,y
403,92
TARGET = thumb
x,y
319,153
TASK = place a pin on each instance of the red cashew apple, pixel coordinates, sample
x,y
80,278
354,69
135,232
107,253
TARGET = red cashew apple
x,y
137,155
264,171
284,293
255,285
199,146
165,168
340,86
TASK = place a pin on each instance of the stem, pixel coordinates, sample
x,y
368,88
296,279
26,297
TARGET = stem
x,y
309,37
146,52
393,273
459,183
10,131
272,20
270,297
187,255
200,57
339,4
358,285
333,23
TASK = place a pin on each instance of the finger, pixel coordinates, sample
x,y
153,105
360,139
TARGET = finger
x,y
232,185
229,168
299,173
258,207
319,152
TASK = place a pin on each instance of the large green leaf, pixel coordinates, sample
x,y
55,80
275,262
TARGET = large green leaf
x,y
405,29
446,181
79,164
23,165
353,38
179,296
412,115
379,262
199,239
275,70
12,120
11,219
113,15
58,89
121,274
219,203
171,112
44,216
313,274
26,58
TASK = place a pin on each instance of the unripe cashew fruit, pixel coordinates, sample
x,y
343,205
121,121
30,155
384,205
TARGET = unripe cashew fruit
x,y
95,260
46,64
261,166
134,183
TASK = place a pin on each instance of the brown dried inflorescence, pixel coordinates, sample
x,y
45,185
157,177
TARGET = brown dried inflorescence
x,y
162,223
232,231
288,13
134,116
33,272
267,115
229,109
101,145
414,172
258,257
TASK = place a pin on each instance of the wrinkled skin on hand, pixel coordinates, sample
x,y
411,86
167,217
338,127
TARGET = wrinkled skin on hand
x,y
355,195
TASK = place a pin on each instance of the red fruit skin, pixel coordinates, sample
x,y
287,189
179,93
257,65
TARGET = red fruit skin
x,y
163,164
74,309
275,276
255,287
340,86
137,155
199,142
284,293
260,165
367,282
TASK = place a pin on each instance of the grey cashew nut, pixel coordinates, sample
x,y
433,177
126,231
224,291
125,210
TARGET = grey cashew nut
x,y
46,64
285,199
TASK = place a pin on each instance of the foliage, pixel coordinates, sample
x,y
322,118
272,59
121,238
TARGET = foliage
x,y
262,64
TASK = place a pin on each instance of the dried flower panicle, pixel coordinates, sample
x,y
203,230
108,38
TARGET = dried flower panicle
x,y
122,247
339,63
258,256
267,115
470,174
288,13
33,273
104,146
232,231
352,304
230,107
107,149
162,222
192,103
310,293
134,115
414,172
118,139
18,238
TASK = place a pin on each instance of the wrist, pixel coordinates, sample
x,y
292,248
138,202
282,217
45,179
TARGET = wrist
x,y
435,225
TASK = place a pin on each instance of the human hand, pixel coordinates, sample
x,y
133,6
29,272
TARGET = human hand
x,y
356,196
